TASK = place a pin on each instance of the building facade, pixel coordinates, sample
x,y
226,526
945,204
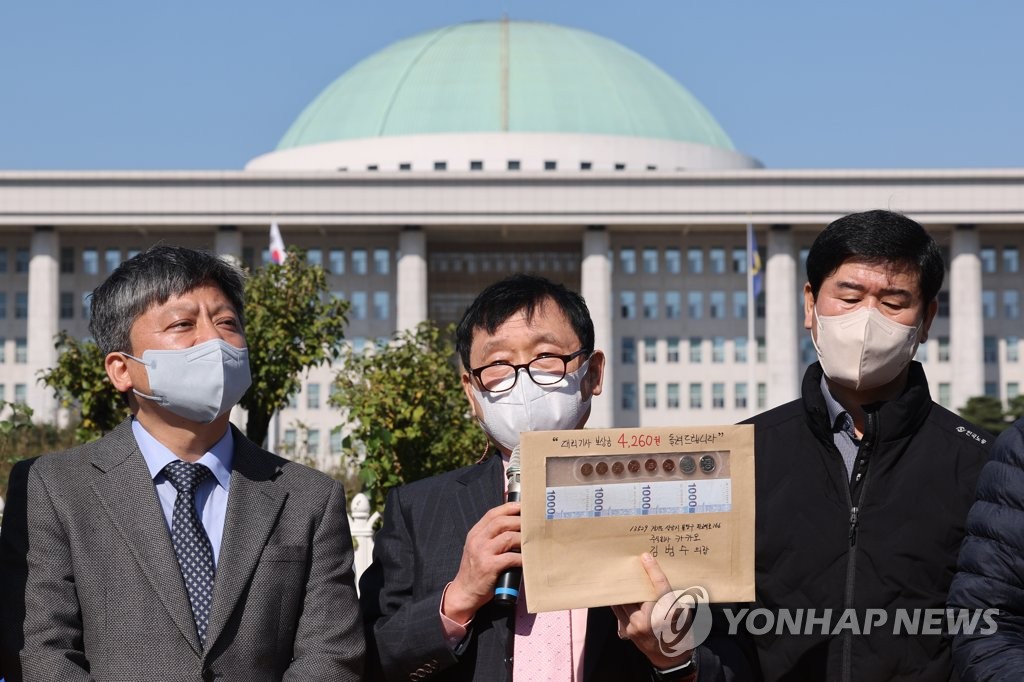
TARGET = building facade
x,y
414,203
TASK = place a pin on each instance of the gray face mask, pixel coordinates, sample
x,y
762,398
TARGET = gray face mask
x,y
199,383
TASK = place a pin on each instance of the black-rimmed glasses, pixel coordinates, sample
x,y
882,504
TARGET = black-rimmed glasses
x,y
544,370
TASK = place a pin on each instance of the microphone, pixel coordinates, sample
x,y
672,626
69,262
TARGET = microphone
x,y
506,592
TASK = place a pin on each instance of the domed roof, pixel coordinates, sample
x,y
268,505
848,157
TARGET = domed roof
x,y
505,76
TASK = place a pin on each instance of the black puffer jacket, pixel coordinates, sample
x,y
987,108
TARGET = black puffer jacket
x,y
888,540
992,566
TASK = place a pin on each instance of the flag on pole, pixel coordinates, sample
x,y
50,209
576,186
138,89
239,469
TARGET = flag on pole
x,y
756,271
277,254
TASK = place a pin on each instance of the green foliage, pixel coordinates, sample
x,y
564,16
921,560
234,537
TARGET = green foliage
x,y
409,415
81,383
21,439
292,323
986,412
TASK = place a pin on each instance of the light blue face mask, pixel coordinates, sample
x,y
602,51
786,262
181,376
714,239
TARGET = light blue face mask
x,y
199,383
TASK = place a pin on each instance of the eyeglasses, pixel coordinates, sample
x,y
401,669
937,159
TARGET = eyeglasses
x,y
544,370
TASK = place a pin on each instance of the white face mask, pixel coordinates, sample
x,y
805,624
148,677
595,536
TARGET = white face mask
x,y
864,349
199,383
529,407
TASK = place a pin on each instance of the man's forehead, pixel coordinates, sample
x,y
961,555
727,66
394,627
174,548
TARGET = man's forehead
x,y
544,323
897,275
190,301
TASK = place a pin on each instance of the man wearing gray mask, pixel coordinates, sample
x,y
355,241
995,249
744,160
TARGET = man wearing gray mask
x,y
529,363
173,547
863,484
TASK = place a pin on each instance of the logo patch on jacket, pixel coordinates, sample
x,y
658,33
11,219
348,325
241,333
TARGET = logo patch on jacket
x,y
971,434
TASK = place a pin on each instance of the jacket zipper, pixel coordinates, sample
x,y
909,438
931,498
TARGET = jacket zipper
x,y
860,476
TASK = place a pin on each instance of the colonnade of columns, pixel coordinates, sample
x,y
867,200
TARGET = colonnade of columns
x,y
781,289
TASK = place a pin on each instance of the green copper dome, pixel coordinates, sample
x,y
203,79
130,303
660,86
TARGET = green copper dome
x,y
505,76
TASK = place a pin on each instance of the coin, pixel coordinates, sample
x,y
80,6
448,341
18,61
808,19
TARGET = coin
x,y
707,464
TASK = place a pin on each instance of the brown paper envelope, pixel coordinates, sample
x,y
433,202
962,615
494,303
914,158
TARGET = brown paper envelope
x,y
593,500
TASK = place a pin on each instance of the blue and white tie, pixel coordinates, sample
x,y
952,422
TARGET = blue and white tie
x,y
191,544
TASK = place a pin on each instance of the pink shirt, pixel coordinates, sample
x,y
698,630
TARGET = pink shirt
x,y
454,632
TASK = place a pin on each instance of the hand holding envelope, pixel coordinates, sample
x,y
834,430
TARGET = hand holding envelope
x,y
645,623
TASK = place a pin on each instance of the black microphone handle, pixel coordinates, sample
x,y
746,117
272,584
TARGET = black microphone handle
x,y
506,592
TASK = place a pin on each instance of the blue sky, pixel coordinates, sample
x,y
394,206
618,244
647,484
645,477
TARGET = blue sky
x,y
119,84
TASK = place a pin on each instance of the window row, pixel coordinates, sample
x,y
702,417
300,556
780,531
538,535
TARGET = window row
x,y
991,390
990,350
312,397
695,396
719,259
510,164
1010,308
20,393
652,260
310,446
718,305
504,262
20,351
338,261
90,260
695,348
990,260
358,304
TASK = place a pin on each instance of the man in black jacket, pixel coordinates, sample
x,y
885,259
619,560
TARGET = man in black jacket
x,y
863,484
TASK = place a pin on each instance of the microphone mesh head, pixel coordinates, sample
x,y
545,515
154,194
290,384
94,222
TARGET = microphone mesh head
x,y
513,462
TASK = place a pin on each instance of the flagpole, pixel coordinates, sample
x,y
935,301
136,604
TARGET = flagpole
x,y
752,348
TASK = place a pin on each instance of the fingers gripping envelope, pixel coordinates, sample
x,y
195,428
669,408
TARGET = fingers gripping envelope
x,y
594,500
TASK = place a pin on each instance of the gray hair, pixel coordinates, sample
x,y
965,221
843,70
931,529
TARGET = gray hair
x,y
151,278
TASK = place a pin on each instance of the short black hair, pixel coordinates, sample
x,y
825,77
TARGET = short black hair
x,y
501,300
151,278
877,237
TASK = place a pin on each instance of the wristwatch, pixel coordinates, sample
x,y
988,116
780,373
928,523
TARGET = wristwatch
x,y
680,673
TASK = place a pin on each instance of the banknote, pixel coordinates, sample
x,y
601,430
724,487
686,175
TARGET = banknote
x,y
638,498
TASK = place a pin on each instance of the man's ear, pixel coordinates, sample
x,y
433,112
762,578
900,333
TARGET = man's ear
x,y
929,315
467,388
117,370
593,383
808,306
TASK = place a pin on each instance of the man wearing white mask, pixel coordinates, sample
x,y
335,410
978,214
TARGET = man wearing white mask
x,y
529,363
173,547
864,483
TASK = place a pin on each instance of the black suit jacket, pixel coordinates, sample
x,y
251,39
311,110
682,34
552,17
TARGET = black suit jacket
x,y
418,551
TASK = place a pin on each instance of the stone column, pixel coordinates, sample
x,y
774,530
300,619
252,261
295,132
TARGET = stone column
x,y
596,288
411,284
782,318
228,243
966,323
43,273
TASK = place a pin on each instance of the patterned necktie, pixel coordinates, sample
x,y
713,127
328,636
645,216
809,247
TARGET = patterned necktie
x,y
542,645
191,544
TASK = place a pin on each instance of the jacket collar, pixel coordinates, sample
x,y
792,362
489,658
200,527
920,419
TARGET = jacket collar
x,y
895,419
